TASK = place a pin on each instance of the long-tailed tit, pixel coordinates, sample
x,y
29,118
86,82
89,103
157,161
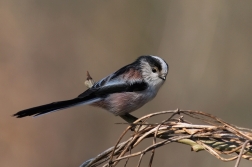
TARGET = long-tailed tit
x,y
122,92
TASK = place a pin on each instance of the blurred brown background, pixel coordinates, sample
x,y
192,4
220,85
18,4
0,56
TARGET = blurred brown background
x,y
47,46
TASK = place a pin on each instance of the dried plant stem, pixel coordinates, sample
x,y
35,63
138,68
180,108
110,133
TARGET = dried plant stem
x,y
241,153
213,135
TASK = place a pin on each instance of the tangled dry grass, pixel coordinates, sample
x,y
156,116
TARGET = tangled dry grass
x,y
213,135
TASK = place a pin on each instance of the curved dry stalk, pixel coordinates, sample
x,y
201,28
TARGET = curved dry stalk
x,y
241,153
217,137
214,136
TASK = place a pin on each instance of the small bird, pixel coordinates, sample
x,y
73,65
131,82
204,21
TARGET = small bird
x,y
121,92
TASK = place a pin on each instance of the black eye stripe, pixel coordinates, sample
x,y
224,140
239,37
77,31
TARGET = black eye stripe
x,y
152,62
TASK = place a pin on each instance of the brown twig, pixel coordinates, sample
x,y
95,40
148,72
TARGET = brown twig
x,y
218,139
214,135
241,153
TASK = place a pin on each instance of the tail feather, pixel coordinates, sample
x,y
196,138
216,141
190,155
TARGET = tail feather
x,y
39,110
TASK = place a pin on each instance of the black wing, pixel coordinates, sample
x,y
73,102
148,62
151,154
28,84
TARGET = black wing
x,y
103,91
111,84
91,94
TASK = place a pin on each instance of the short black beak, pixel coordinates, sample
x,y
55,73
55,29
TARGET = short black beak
x,y
162,77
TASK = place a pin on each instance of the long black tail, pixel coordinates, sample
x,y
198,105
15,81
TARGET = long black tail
x,y
39,110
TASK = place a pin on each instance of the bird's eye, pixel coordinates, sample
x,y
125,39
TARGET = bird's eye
x,y
154,70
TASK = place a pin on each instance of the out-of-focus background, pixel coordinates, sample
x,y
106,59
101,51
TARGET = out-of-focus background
x,y
47,46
